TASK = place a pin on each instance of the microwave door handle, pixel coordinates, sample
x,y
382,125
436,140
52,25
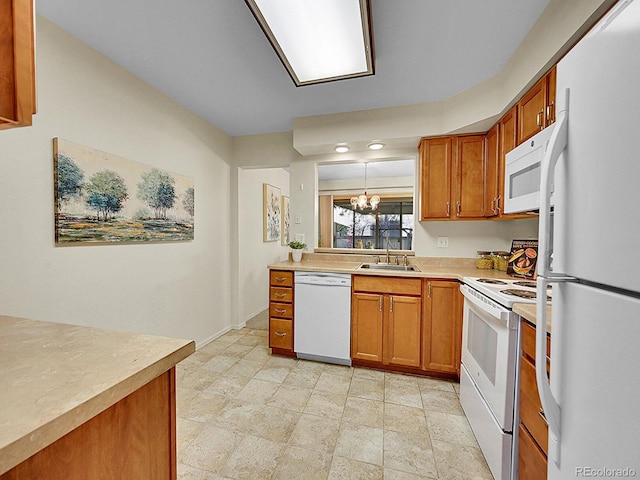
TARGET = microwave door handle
x,y
557,143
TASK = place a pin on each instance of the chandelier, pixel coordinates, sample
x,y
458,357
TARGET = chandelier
x,y
361,201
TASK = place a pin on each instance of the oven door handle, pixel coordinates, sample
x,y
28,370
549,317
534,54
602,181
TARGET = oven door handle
x,y
502,315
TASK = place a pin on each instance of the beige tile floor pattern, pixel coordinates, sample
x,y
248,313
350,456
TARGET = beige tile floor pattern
x,y
246,414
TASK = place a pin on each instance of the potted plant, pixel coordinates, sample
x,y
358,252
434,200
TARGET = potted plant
x,y
296,250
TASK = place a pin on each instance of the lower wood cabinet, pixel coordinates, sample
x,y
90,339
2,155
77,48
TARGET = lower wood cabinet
x,y
281,312
385,324
442,336
533,430
411,325
134,438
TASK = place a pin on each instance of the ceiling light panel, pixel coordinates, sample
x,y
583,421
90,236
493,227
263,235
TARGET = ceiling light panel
x,y
318,40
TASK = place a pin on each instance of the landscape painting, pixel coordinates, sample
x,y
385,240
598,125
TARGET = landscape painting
x,y
103,198
286,220
271,213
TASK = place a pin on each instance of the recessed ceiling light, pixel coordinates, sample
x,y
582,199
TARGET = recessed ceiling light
x,y
375,145
318,40
341,148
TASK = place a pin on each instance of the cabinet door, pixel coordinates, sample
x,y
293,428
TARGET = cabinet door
x,y
531,109
550,112
17,71
366,327
508,141
491,170
532,463
436,156
442,331
469,175
402,336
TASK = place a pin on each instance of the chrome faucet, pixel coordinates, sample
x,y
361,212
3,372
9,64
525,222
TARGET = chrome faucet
x,y
387,248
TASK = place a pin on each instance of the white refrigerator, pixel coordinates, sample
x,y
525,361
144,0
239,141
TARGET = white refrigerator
x,y
590,255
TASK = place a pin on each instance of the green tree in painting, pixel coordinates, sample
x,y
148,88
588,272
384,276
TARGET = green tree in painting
x,y
70,180
188,201
106,193
156,189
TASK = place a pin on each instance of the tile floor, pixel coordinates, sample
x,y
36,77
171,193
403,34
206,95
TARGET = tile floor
x,y
245,414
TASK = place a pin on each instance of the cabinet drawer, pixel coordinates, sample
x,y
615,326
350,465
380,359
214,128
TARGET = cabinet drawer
x,y
281,294
530,405
280,278
532,463
529,341
280,333
281,310
392,285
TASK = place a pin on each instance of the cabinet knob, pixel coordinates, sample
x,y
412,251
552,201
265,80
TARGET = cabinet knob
x,y
280,295
281,334
280,279
448,208
280,310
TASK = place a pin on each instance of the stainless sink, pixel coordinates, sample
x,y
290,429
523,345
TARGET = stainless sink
x,y
389,266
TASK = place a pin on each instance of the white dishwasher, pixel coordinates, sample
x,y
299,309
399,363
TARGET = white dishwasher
x,y
322,315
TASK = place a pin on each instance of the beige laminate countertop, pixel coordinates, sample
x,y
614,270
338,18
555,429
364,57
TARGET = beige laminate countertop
x,y
433,267
455,269
530,313
55,377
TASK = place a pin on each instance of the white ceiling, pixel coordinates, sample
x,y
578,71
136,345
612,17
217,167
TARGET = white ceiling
x,y
379,169
212,57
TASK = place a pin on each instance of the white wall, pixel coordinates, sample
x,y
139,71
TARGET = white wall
x,y
254,253
466,237
173,289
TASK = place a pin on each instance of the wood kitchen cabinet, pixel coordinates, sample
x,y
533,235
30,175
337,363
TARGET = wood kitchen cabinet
x,y
533,430
386,320
492,172
134,438
407,324
442,336
17,63
452,178
436,161
281,312
536,108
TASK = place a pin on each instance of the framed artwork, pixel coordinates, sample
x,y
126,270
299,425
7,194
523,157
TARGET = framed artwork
x,y
286,220
271,213
103,198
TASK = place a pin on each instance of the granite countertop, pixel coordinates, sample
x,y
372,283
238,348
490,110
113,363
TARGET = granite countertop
x,y
56,376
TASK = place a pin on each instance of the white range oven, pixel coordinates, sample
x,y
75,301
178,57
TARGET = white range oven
x,y
490,364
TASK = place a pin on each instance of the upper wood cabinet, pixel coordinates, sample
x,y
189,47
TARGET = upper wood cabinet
x,y
469,168
436,161
17,64
536,109
492,172
442,336
452,177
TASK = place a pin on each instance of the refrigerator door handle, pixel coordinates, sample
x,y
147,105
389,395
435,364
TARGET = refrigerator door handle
x,y
549,404
557,143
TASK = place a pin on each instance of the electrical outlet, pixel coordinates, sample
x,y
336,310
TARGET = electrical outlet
x,y
443,242
298,218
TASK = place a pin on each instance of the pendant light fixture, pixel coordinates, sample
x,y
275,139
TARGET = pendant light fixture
x,y
362,202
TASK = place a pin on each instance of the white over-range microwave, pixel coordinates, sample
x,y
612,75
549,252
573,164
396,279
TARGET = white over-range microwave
x,y
522,173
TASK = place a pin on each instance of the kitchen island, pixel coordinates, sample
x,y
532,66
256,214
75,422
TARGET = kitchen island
x,y
81,402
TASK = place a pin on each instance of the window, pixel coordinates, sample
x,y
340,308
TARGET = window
x,y
369,229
